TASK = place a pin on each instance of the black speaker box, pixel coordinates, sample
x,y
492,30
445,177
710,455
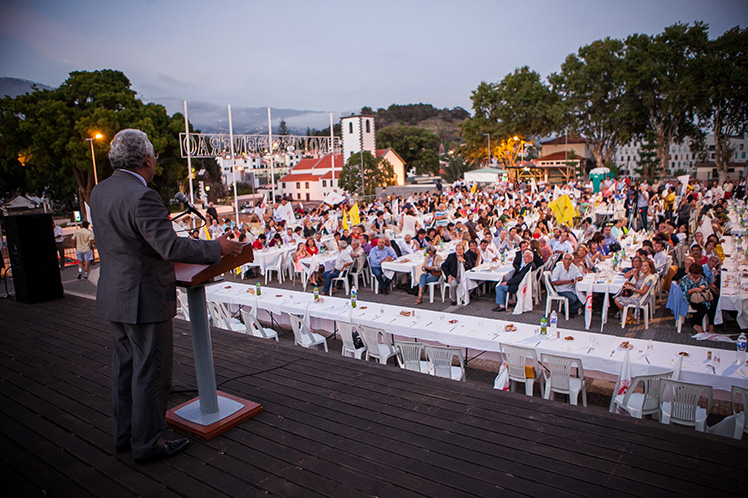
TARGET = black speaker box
x,y
33,257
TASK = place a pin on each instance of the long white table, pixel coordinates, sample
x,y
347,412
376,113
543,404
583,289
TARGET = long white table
x,y
733,294
599,352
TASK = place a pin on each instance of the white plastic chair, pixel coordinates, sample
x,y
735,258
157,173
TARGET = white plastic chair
x,y
343,277
560,379
552,295
184,308
222,318
378,344
740,422
345,329
644,305
441,283
303,336
357,271
277,266
684,406
440,361
536,276
516,361
409,356
647,402
255,329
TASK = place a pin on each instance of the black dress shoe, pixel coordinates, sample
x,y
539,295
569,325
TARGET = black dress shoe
x,y
123,448
454,303
167,450
499,309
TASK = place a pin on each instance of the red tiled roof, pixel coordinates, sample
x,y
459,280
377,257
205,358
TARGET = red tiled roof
x,y
324,162
299,177
559,156
328,175
307,163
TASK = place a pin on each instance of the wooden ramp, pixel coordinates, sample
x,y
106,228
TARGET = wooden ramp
x,y
331,426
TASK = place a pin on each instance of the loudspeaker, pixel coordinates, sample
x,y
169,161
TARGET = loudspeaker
x,y
33,257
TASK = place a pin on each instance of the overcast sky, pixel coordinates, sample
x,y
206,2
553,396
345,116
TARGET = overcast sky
x,y
323,55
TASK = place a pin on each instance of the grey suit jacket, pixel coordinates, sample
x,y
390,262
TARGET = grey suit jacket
x,y
137,246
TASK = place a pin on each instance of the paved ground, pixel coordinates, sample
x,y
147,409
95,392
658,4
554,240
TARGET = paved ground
x,y
662,328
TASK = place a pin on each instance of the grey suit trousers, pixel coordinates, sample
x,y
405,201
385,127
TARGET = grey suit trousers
x,y
141,380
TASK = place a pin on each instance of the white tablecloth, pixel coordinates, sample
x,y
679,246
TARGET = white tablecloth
x,y
734,285
599,352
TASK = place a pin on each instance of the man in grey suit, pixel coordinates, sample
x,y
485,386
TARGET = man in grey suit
x,y
137,293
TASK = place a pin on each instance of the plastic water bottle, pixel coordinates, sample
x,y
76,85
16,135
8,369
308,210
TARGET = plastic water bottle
x,y
543,325
741,347
353,298
316,293
258,290
554,323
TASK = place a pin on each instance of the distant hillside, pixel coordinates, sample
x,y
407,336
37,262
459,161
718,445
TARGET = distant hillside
x,y
13,87
442,122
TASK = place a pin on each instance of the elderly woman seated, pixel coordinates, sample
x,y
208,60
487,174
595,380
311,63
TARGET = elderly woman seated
x,y
432,271
637,286
696,288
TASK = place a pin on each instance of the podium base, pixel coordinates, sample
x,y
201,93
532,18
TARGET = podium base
x,y
232,411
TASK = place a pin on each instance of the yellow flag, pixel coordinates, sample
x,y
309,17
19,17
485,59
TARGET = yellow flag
x,y
474,189
562,209
345,220
355,220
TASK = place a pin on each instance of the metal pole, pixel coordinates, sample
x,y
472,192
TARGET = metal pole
x,y
202,349
488,155
270,154
93,158
361,152
233,167
189,158
332,155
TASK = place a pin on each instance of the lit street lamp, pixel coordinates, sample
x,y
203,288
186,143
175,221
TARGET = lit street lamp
x,y
93,157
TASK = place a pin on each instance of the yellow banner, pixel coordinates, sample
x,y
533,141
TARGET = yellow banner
x,y
562,209
355,220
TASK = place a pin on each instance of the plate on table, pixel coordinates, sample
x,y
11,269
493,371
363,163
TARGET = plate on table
x,y
510,328
250,291
626,345
405,313
683,354
569,338
453,321
362,307
279,295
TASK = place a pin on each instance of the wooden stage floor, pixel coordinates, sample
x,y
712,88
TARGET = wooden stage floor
x,y
331,426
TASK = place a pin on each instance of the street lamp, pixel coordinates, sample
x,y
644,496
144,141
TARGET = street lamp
x,y
93,157
489,149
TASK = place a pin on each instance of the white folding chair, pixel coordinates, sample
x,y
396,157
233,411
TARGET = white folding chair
x,y
184,308
441,284
303,336
222,318
440,362
378,344
647,402
357,271
684,406
644,304
740,416
277,266
560,379
345,329
552,295
409,356
516,362
343,277
255,329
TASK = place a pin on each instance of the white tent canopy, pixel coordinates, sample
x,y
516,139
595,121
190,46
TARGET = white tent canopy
x,y
600,171
485,175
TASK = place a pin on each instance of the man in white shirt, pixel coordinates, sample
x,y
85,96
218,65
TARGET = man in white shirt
x,y
409,247
343,261
660,256
288,237
555,239
564,279
563,245
488,252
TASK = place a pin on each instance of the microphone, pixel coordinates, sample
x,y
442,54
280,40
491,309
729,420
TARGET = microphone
x,y
192,209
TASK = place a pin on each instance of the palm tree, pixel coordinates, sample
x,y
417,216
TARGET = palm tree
x,y
454,166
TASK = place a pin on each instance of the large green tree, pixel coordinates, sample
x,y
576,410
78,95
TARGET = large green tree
x,y
593,97
521,104
723,108
662,79
43,147
454,166
377,172
418,147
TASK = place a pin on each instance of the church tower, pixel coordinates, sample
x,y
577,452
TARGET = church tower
x,y
358,134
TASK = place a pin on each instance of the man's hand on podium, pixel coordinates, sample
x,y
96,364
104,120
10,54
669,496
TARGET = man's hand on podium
x,y
229,247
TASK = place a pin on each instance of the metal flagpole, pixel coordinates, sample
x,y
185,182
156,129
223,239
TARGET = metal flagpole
x,y
361,141
189,158
332,155
233,167
270,153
